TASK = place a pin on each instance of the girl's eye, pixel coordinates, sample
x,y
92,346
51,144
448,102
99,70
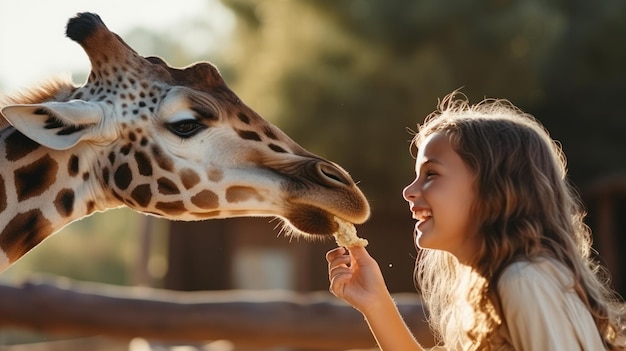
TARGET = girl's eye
x,y
430,174
185,128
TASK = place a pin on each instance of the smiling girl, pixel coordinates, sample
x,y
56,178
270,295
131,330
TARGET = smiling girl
x,y
504,259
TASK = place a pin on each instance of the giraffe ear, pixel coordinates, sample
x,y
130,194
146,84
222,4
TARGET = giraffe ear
x,y
57,125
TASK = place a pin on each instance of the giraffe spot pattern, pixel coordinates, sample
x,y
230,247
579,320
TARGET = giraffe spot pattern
x,y
277,148
171,208
118,196
72,166
64,202
35,178
3,195
167,186
125,150
24,232
143,163
215,174
270,133
105,175
206,199
123,176
18,146
243,117
189,178
142,195
162,160
236,194
248,135
91,206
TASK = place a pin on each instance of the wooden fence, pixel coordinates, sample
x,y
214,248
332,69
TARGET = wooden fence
x,y
316,321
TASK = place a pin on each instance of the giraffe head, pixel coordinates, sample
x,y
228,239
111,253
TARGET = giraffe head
x,y
178,143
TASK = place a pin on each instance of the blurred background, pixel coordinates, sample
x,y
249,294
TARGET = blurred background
x,y
347,80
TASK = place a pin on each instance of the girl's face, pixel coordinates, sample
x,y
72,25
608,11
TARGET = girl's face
x,y
440,199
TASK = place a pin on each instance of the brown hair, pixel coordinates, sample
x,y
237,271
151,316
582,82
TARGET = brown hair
x,y
527,209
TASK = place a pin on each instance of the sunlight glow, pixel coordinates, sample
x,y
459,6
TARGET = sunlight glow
x,y
33,46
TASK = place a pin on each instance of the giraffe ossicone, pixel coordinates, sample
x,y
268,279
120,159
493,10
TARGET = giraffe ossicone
x,y
169,142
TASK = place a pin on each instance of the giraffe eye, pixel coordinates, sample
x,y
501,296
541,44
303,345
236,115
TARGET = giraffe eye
x,y
185,128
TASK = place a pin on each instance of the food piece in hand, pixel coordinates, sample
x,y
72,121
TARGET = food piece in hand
x,y
346,235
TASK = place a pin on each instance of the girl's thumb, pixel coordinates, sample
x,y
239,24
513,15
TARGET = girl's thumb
x,y
358,252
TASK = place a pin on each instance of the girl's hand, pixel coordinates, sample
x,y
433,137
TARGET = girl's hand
x,y
356,278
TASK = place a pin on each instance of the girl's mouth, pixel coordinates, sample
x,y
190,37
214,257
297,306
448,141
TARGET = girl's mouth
x,y
422,215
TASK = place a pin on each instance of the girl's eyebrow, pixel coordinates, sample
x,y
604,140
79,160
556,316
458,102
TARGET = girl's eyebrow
x,y
432,161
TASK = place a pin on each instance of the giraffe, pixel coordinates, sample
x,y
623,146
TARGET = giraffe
x,y
170,142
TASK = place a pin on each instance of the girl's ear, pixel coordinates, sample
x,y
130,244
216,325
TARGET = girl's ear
x,y
59,125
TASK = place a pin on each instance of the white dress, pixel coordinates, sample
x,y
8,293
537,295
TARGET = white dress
x,y
542,311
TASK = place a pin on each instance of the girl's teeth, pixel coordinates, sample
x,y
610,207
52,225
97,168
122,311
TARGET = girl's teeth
x,y
424,215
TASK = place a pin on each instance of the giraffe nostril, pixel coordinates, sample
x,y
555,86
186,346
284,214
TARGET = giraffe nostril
x,y
333,175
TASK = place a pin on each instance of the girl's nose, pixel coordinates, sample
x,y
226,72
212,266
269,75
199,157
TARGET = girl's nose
x,y
411,191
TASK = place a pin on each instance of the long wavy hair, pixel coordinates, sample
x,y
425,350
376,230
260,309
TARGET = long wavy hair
x,y
527,210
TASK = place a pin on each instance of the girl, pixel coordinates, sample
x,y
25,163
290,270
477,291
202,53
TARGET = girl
x,y
504,256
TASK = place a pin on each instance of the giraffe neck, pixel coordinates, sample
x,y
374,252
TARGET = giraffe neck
x,y
41,190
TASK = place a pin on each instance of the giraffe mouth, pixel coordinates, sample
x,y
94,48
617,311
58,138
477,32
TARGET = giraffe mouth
x,y
312,221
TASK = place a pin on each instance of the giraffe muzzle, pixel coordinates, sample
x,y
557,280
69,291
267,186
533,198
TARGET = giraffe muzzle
x,y
332,175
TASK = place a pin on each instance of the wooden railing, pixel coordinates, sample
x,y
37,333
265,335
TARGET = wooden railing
x,y
248,318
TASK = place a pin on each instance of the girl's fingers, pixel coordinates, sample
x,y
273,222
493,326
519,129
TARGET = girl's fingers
x,y
339,261
338,251
338,270
358,251
338,265
337,276
360,255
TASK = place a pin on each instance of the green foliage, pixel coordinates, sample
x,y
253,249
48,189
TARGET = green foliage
x,y
346,78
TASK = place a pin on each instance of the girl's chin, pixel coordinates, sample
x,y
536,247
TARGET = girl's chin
x,y
426,240
422,244
423,226
421,241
